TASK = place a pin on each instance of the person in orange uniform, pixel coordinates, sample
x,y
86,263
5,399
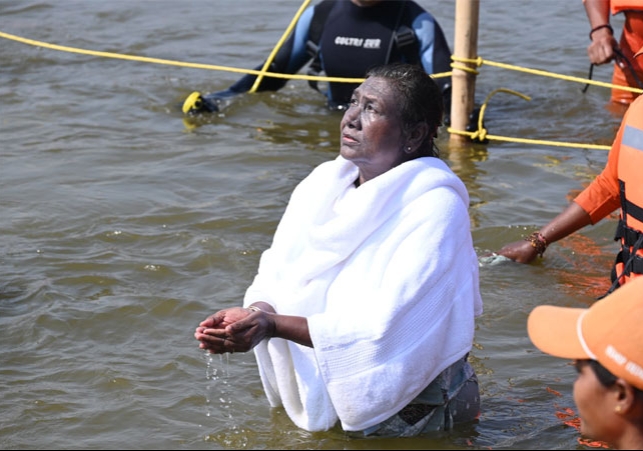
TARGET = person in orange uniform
x,y
605,48
620,184
605,343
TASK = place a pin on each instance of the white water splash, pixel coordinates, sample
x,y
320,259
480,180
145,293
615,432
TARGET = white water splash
x,y
218,390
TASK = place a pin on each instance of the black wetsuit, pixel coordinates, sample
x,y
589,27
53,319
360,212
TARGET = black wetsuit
x,y
351,40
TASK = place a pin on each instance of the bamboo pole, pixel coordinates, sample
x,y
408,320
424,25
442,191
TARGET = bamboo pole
x,y
465,46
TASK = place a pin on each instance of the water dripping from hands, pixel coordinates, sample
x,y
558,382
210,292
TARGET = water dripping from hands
x,y
217,373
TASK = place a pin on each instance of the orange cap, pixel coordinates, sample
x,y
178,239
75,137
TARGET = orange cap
x,y
610,331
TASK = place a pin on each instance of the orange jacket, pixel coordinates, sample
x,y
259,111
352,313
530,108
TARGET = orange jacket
x,y
617,6
620,184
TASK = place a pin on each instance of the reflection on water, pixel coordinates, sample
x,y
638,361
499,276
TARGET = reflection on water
x,y
124,225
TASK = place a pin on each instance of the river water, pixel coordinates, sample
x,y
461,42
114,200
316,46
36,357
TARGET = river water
x,y
122,226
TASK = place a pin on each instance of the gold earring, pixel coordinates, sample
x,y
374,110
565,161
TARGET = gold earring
x,y
617,409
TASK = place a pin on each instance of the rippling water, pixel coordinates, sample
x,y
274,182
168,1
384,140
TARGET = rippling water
x,y
122,226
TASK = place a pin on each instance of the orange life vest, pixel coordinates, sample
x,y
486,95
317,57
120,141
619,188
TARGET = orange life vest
x,y
629,262
617,6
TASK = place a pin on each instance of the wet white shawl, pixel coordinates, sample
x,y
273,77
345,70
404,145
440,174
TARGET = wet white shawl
x,y
388,278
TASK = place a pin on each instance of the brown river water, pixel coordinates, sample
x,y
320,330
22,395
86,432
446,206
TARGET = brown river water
x,y
122,226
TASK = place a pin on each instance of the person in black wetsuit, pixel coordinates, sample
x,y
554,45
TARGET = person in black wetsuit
x,y
342,38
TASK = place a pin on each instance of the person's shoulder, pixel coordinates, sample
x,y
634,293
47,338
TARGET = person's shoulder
x,y
439,175
436,163
415,14
413,4
323,8
319,15
414,9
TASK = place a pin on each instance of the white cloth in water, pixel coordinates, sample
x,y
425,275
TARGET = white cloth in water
x,y
388,278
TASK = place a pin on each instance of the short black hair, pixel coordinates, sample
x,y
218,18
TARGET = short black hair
x,y
604,376
420,98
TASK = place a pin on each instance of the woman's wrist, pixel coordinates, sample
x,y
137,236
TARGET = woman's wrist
x,y
538,242
261,306
257,308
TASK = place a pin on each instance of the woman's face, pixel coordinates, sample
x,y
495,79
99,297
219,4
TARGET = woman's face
x,y
594,410
371,129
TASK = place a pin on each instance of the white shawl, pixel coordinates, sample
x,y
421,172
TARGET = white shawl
x,y
388,278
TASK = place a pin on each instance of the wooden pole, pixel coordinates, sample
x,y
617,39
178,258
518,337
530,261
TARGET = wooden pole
x,y
465,46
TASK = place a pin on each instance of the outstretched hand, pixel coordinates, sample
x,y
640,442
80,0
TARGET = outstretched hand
x,y
519,251
235,329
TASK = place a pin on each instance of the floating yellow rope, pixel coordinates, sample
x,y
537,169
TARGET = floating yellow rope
x,y
268,62
531,141
479,61
172,63
481,133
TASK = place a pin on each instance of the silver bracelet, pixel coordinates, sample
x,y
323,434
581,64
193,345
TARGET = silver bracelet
x,y
254,308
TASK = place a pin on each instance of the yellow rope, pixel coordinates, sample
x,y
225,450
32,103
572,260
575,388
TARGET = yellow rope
x,y
173,63
441,74
479,61
464,68
145,59
268,62
481,133
474,135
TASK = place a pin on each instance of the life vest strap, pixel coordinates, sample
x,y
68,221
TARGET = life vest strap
x,y
634,210
636,265
628,234
628,207
404,36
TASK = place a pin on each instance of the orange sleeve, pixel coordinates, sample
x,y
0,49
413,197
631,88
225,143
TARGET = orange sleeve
x,y
602,196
